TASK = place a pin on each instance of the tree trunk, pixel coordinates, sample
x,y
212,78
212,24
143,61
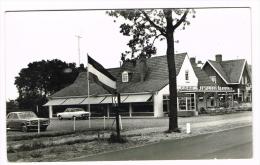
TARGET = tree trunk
x,y
173,119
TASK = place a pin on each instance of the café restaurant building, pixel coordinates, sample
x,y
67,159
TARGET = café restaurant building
x,y
144,88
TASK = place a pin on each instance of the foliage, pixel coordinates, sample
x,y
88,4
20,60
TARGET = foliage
x,y
41,79
145,27
11,105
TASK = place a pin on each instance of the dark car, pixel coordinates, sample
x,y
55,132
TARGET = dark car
x,y
25,121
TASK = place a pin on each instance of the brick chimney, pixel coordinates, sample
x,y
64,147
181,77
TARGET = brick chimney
x,y
200,64
218,58
193,61
142,69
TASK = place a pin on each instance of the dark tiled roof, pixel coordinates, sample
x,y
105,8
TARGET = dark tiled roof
x,y
203,79
220,70
233,69
156,78
230,70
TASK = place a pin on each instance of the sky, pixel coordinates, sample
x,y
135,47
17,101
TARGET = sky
x,y
47,35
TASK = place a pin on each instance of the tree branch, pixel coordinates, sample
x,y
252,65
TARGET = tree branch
x,y
181,20
153,24
156,38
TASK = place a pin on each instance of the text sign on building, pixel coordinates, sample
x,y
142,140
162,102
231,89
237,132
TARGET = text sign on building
x,y
204,88
187,88
214,88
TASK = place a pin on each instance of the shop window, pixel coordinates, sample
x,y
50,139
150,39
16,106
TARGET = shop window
x,y
213,79
125,77
186,75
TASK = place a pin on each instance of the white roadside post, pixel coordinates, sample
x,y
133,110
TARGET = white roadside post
x,y
120,121
188,131
74,123
39,126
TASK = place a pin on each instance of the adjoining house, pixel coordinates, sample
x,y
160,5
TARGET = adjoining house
x,y
209,94
144,88
231,73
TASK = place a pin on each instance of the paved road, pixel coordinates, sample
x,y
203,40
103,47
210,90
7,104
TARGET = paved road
x,y
231,144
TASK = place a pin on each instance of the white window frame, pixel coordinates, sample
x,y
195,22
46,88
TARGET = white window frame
x,y
125,76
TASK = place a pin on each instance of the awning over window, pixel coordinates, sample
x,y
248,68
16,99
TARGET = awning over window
x,y
73,101
108,99
93,100
137,98
54,102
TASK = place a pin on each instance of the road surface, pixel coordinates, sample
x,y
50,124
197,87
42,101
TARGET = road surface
x,y
231,144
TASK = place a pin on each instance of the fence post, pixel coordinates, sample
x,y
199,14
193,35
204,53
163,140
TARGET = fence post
x,y
89,123
39,127
74,123
121,126
104,122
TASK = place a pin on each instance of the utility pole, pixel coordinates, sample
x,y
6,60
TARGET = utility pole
x,y
79,37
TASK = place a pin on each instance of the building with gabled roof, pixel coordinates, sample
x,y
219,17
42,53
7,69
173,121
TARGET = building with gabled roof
x,y
144,88
141,83
231,73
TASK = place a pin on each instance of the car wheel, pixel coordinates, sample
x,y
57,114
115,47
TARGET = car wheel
x,y
25,128
83,117
60,118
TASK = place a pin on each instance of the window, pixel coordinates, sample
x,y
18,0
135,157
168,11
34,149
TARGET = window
x,y
125,76
187,75
213,79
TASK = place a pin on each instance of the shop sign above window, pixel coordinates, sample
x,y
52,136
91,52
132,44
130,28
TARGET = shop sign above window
x,y
215,88
187,88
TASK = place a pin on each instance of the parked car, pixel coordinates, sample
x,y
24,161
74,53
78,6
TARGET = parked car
x,y
25,121
70,113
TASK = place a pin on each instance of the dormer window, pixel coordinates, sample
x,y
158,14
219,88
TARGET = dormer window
x,y
125,76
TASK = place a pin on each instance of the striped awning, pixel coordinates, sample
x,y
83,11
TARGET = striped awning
x,y
54,102
108,99
93,100
73,101
137,98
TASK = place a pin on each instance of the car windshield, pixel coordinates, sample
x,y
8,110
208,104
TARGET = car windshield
x,y
27,115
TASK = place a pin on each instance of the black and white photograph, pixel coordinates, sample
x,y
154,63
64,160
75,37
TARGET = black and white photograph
x,y
97,84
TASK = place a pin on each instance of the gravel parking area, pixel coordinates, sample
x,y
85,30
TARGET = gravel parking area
x,y
135,123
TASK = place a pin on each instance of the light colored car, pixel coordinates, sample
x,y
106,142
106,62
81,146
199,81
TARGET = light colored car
x,y
25,121
70,113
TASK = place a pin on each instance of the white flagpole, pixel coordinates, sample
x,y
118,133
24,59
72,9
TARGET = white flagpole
x,y
89,123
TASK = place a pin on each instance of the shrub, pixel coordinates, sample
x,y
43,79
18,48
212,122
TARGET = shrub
x,y
36,154
114,139
186,113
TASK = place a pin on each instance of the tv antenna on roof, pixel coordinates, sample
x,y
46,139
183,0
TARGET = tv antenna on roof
x,y
79,37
